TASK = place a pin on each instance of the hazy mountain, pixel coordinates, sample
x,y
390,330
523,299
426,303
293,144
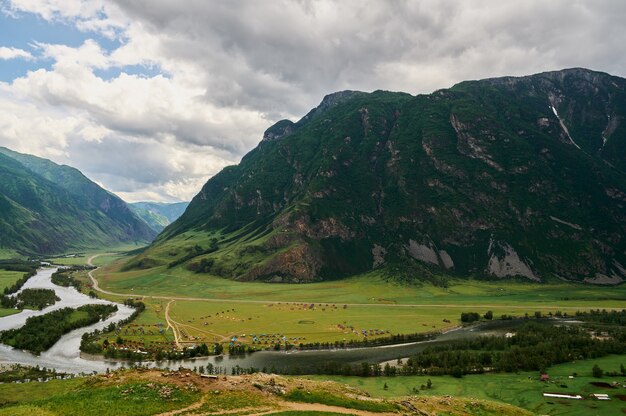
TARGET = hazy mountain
x,y
503,177
47,208
158,215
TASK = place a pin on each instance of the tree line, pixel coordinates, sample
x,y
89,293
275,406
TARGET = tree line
x,y
535,346
30,298
41,332
29,269
65,276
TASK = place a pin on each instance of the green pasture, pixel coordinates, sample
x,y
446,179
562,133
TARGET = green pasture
x,y
145,329
8,278
84,397
106,255
6,253
523,389
221,308
371,288
325,322
218,321
7,312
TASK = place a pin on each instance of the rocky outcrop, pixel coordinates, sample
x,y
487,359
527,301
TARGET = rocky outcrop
x,y
298,264
505,262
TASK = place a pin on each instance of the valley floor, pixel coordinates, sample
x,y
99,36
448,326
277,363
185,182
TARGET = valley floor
x,y
187,308
202,308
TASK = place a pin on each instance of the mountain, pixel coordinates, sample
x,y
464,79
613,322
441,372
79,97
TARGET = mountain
x,y
46,208
158,215
505,177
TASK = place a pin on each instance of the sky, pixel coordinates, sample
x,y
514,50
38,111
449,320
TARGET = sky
x,y
150,98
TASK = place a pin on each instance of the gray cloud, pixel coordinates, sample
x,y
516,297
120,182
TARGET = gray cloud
x,y
280,57
233,68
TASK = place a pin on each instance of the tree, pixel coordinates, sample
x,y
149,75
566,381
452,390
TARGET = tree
x,y
429,384
386,387
597,371
489,315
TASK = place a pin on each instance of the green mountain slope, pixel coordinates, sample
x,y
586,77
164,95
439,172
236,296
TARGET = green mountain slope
x,y
46,208
500,177
158,215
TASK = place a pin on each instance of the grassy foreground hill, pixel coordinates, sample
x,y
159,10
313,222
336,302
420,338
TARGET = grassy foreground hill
x,y
507,177
148,392
46,208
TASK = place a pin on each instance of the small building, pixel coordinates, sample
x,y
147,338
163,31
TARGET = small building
x,y
600,396
544,377
563,396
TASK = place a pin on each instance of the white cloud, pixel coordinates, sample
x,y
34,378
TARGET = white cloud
x,y
7,53
225,71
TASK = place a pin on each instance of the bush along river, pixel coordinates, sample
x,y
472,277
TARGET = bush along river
x,y
64,355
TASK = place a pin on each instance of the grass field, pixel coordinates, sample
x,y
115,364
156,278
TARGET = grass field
x,y
8,278
199,321
219,308
106,255
80,397
523,389
371,288
9,254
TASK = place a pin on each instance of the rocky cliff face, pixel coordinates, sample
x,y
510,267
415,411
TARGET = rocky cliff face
x,y
503,177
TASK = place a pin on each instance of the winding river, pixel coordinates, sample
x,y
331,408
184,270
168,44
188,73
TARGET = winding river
x,y
65,356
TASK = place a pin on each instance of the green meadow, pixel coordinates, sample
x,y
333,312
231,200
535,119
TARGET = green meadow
x,y
90,397
208,308
8,278
523,389
371,288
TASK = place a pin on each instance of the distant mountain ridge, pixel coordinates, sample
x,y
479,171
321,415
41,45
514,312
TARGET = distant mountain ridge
x,y
504,177
158,215
46,208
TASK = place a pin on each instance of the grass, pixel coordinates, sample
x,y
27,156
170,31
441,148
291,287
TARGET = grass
x,y
226,308
6,253
7,312
81,397
209,322
8,278
152,321
371,288
332,400
523,390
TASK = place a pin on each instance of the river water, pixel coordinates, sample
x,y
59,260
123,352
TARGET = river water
x,y
65,356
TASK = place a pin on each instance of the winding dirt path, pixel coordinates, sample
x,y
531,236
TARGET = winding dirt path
x,y
171,323
280,407
317,407
94,281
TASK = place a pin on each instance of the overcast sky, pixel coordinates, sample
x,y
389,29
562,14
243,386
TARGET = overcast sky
x,y
150,98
